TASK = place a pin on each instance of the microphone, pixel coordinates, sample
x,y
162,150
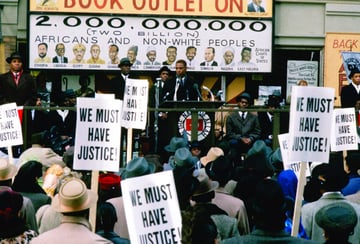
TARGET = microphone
x,y
166,95
158,80
196,87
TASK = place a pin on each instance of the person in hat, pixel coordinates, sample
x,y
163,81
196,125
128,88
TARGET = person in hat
x,y
109,186
204,207
132,55
7,174
18,86
332,179
266,118
73,201
196,148
350,93
134,168
151,55
212,155
13,228
338,221
221,170
170,149
26,182
242,128
185,172
158,126
268,214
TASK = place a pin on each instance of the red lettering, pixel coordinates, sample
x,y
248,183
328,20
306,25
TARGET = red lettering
x,y
188,8
176,7
66,5
156,5
100,4
229,6
348,44
138,7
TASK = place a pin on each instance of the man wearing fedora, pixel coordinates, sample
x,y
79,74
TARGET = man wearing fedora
x,y
242,127
16,85
19,87
351,93
74,201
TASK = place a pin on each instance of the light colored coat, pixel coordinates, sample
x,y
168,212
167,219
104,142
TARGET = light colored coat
x,y
309,210
74,230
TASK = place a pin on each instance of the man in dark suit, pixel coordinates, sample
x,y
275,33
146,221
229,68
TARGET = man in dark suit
x,y
209,57
255,6
351,93
19,87
16,85
156,97
182,87
60,51
266,119
242,128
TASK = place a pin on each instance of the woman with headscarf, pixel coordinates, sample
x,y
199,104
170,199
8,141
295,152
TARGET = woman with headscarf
x,y
13,228
26,182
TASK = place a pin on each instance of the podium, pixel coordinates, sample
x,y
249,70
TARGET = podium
x,y
187,119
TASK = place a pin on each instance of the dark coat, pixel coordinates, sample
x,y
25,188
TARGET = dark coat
x,y
214,63
66,127
236,127
23,95
55,59
349,96
251,8
185,92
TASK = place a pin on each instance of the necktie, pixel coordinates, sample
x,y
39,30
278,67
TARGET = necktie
x,y
243,115
176,89
16,78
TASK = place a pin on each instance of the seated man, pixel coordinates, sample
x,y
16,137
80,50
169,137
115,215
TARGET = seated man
x,y
243,128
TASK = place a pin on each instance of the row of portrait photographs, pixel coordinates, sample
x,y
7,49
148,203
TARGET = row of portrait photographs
x,y
94,59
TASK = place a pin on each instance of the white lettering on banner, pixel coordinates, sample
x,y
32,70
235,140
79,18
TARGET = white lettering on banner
x,y
159,32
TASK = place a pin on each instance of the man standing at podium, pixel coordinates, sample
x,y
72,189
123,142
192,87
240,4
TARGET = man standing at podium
x,y
182,87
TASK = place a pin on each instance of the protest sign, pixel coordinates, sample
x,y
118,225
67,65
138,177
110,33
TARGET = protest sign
x,y
310,115
284,149
152,209
10,126
98,133
135,104
344,133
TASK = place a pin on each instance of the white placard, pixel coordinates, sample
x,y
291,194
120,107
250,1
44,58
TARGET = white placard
x,y
134,112
98,133
294,166
310,123
152,208
344,133
10,126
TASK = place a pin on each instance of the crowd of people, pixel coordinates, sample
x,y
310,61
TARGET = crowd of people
x,y
236,191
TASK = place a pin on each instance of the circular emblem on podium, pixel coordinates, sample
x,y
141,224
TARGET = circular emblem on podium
x,y
203,128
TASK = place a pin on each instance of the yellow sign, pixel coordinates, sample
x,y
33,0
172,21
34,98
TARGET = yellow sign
x,y
223,8
334,72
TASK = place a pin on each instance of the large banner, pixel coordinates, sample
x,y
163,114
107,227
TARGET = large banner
x,y
98,42
223,8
